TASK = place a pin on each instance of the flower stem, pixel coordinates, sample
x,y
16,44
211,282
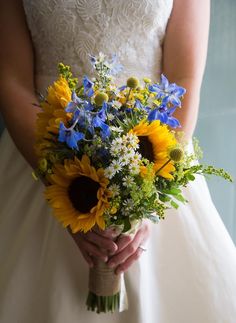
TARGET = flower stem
x,y
127,97
163,166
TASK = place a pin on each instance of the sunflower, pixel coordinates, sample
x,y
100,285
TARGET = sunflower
x,y
78,194
155,141
53,112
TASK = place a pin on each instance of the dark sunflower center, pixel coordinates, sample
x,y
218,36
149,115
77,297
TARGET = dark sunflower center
x,y
83,193
146,149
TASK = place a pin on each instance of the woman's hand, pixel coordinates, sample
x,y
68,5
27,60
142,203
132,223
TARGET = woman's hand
x,y
119,253
96,243
129,248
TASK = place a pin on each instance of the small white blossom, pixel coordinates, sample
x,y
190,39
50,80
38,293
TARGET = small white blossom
x,y
136,158
133,140
125,212
117,144
128,204
129,152
128,181
109,172
124,160
116,165
134,168
115,190
116,129
110,116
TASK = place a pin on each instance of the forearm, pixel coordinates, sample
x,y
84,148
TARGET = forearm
x,y
19,113
184,55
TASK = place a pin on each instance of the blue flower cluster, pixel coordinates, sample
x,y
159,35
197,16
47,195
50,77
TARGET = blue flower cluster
x,y
170,94
85,118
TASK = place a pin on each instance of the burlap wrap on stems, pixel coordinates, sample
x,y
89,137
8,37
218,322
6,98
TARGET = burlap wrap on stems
x,y
102,279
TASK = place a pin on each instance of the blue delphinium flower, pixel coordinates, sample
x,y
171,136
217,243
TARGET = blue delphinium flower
x,y
76,105
168,92
165,116
88,86
102,112
99,121
70,136
138,104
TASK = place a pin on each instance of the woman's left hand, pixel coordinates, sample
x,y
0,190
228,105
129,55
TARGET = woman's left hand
x,y
129,248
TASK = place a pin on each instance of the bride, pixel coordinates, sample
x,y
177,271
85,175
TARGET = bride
x,y
187,274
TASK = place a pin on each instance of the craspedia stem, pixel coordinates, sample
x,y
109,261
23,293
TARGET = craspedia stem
x,y
163,166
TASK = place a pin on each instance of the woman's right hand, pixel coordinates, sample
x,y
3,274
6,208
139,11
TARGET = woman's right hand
x,y
96,243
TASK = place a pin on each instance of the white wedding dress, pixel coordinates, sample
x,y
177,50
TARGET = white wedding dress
x,y
187,274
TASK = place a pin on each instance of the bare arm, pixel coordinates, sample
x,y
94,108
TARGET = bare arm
x,y
17,78
184,55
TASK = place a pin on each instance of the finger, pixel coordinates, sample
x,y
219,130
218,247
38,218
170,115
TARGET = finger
x,y
90,248
101,241
125,265
111,233
128,251
87,258
123,241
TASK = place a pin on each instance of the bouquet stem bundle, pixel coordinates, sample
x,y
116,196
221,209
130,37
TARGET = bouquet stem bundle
x,y
104,288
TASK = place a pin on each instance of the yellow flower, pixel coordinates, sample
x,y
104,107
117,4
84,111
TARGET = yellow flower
x,y
155,141
78,194
53,112
59,94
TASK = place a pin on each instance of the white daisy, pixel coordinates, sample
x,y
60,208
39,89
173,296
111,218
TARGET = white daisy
x,y
116,165
129,204
134,168
124,160
110,116
115,190
109,172
128,181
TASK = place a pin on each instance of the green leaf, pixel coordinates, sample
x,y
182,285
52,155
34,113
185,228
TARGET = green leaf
x,y
164,198
127,225
180,198
172,191
175,205
190,177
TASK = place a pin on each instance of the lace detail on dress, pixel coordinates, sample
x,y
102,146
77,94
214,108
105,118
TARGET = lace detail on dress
x,y
68,30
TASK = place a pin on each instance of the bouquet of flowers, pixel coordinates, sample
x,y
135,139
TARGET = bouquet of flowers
x,y
110,156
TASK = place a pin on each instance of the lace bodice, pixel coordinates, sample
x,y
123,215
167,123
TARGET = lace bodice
x,y
68,30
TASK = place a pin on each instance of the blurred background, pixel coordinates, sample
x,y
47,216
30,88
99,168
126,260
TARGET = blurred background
x,y
216,128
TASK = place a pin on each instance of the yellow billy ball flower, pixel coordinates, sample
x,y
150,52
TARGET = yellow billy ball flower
x,y
100,97
147,80
132,82
176,154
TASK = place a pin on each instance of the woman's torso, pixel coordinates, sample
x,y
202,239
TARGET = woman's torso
x,y
69,30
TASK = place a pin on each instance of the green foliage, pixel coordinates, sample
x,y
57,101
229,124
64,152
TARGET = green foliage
x,y
65,71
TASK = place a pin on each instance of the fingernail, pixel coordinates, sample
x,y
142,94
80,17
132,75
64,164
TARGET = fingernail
x,y
105,259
